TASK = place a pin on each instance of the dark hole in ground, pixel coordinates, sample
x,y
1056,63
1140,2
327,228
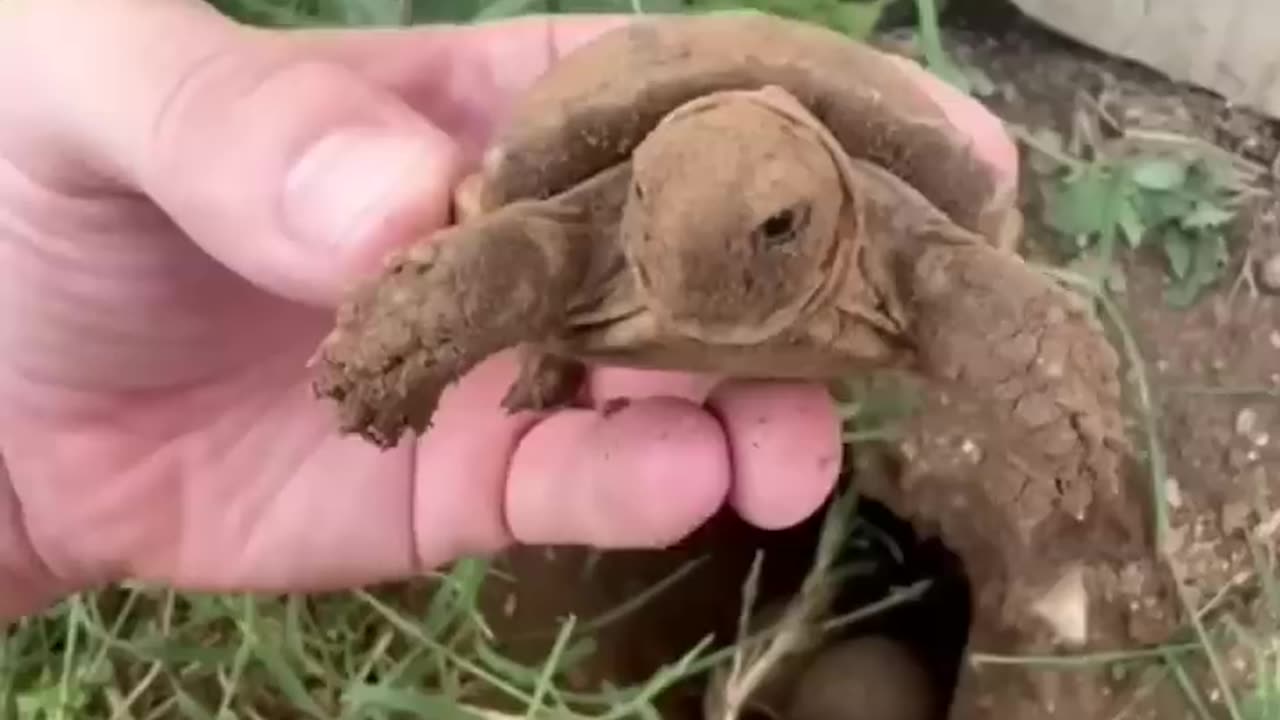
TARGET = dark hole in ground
x,y
708,600
936,626
890,558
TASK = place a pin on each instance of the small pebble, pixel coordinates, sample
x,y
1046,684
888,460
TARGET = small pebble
x,y
1173,492
1274,338
1246,421
1269,274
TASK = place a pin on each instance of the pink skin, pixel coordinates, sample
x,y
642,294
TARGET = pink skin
x,y
182,202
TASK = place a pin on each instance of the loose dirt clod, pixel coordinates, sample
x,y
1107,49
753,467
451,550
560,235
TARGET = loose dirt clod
x,y
758,197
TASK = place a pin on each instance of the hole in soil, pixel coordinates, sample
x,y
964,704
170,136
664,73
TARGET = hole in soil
x,y
882,553
886,557
935,626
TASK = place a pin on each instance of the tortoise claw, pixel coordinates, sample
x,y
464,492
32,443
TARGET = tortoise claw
x,y
546,382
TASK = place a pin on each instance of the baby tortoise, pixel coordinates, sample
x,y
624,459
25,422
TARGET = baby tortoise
x,y
740,194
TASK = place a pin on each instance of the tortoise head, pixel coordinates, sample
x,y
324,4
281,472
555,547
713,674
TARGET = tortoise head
x,y
730,224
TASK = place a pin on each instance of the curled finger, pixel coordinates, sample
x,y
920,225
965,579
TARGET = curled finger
x,y
642,475
784,439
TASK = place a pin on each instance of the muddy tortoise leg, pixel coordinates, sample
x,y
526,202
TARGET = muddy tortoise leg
x,y
546,380
444,305
1034,356
987,320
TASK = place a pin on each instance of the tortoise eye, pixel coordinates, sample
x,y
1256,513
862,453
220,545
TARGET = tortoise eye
x,y
783,226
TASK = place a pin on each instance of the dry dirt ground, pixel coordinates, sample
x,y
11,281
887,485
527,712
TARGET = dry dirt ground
x,y
1214,376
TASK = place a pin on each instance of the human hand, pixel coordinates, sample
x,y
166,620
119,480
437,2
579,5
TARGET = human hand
x,y
182,203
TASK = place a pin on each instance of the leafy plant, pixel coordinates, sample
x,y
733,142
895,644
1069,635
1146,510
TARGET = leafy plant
x,y
856,18
1174,204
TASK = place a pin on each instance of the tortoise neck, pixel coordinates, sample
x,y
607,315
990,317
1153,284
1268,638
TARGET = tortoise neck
x,y
895,224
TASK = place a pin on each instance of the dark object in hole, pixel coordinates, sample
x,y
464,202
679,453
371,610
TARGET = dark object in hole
x,y
936,626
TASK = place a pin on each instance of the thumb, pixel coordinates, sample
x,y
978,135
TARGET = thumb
x,y
293,172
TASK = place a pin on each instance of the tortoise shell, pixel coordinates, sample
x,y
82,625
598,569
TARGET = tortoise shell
x,y
595,105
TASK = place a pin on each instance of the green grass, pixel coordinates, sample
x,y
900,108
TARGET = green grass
x,y
853,16
416,650
419,650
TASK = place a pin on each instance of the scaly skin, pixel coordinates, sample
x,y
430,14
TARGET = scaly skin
x,y
443,305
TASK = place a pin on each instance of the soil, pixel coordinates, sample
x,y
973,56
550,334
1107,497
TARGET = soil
x,y
1014,573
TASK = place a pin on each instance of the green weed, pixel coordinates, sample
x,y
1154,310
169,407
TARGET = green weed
x,y
1180,204
854,17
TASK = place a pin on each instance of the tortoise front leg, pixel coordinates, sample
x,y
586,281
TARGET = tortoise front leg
x,y
985,320
444,305
1051,498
